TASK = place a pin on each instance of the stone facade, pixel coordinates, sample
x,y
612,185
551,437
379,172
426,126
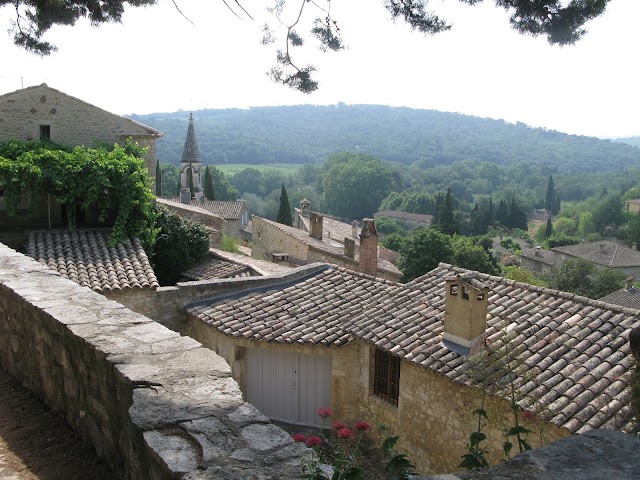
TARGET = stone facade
x,y
43,112
154,404
270,238
213,223
434,414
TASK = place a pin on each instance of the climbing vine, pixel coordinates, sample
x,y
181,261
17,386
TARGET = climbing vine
x,y
114,181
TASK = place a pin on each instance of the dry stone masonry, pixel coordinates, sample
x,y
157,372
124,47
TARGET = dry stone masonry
x,y
155,404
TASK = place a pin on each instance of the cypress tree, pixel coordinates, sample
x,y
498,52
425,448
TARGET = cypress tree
x,y
446,220
556,204
208,184
549,198
549,230
284,212
158,179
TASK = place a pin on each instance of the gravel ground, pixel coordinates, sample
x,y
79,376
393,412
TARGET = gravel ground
x,y
37,444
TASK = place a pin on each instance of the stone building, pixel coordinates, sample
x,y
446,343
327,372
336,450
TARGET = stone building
x,y
272,240
603,253
190,164
538,260
234,213
411,356
42,112
410,221
632,206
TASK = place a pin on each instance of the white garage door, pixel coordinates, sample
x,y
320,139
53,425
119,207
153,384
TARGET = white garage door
x,y
288,386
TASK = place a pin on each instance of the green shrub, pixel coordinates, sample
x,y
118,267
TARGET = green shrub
x,y
179,246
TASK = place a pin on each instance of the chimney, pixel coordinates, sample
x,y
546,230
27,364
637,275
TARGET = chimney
x,y
354,229
602,248
628,283
305,207
185,195
465,315
349,247
635,246
315,225
537,252
368,262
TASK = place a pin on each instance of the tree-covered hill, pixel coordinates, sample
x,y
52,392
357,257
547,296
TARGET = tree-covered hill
x,y
308,133
635,141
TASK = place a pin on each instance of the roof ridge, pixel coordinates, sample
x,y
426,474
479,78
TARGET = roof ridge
x,y
536,288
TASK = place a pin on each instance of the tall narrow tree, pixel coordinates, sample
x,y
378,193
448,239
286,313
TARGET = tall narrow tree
x,y
549,198
284,212
446,220
548,231
208,184
158,179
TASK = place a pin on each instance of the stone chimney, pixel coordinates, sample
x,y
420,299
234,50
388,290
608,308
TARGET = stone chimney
x,y
185,195
465,315
315,225
537,251
368,262
635,246
602,248
628,283
305,207
349,247
354,229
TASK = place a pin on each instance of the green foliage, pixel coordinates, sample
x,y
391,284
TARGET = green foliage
x,y
476,457
158,179
386,226
111,181
423,251
355,185
170,179
180,245
496,154
608,212
445,221
520,274
560,240
229,244
209,191
548,230
582,277
284,212
410,202
473,257
394,241
221,185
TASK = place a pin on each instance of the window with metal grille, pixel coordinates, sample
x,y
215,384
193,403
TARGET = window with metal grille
x,y
386,376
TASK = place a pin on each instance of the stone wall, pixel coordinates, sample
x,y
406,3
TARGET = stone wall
x,y
434,416
71,121
166,305
213,223
154,404
268,239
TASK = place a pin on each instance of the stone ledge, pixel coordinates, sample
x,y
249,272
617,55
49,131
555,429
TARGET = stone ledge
x,y
154,404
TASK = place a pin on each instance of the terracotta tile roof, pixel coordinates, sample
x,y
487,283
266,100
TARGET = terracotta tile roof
x,y
540,255
228,210
605,253
416,217
261,267
85,257
626,298
310,310
213,267
328,246
334,230
575,349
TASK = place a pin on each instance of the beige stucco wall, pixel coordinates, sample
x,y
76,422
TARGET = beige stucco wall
x,y
434,416
72,121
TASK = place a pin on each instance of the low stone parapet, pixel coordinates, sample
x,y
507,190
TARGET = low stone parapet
x,y
155,405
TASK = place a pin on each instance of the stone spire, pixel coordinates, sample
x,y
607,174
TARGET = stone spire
x,y
191,159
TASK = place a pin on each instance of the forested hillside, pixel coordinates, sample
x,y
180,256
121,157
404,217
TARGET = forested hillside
x,y
307,133
629,140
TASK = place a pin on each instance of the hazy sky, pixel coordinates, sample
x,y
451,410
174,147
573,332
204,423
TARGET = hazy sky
x,y
156,61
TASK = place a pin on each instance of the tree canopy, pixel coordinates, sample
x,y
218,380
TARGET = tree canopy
x,y
562,22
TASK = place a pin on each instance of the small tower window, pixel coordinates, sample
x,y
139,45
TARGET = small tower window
x,y
45,132
453,290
